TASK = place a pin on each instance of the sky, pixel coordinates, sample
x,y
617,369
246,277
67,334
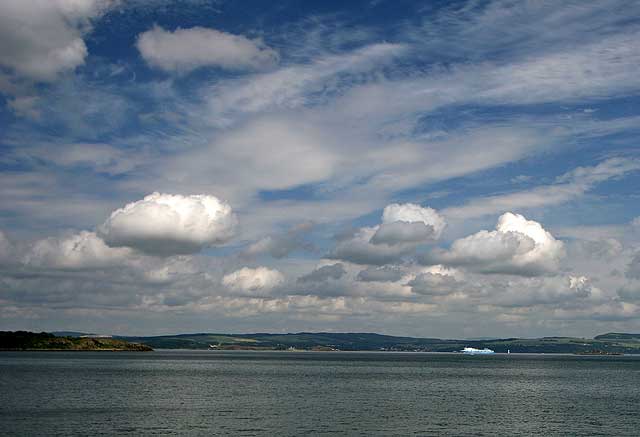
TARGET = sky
x,y
451,169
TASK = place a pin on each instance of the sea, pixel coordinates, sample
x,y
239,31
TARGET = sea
x,y
317,393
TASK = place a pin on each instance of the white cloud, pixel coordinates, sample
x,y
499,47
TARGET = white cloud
x,y
439,269
84,250
359,250
276,247
166,224
591,232
41,38
567,187
515,28
259,280
170,270
280,245
633,269
375,167
354,128
381,274
6,248
566,291
599,249
518,246
582,72
184,50
612,168
324,273
581,284
408,223
101,158
436,280
25,106
412,213
403,227
256,156
630,292
290,87
602,67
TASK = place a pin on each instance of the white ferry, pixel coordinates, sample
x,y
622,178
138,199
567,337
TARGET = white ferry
x,y
474,351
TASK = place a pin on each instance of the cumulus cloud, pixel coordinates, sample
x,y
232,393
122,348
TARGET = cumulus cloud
x,y
567,291
408,223
402,232
436,280
581,285
403,227
166,224
84,250
359,250
412,213
184,50
279,246
354,146
324,273
517,246
259,280
633,269
380,274
630,292
42,38
601,248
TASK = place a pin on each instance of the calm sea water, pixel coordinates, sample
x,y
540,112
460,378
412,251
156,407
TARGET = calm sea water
x,y
289,393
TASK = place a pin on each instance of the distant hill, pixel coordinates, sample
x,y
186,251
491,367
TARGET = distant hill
x,y
618,336
605,343
301,340
23,340
69,333
377,342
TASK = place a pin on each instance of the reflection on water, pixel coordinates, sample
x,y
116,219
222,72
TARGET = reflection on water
x,y
288,393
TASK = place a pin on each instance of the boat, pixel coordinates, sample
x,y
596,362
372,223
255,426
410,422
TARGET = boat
x,y
474,351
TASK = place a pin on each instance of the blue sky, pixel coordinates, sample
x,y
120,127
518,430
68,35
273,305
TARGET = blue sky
x,y
453,169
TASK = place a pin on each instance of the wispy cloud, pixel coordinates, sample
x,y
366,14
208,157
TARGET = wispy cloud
x,y
567,187
300,126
